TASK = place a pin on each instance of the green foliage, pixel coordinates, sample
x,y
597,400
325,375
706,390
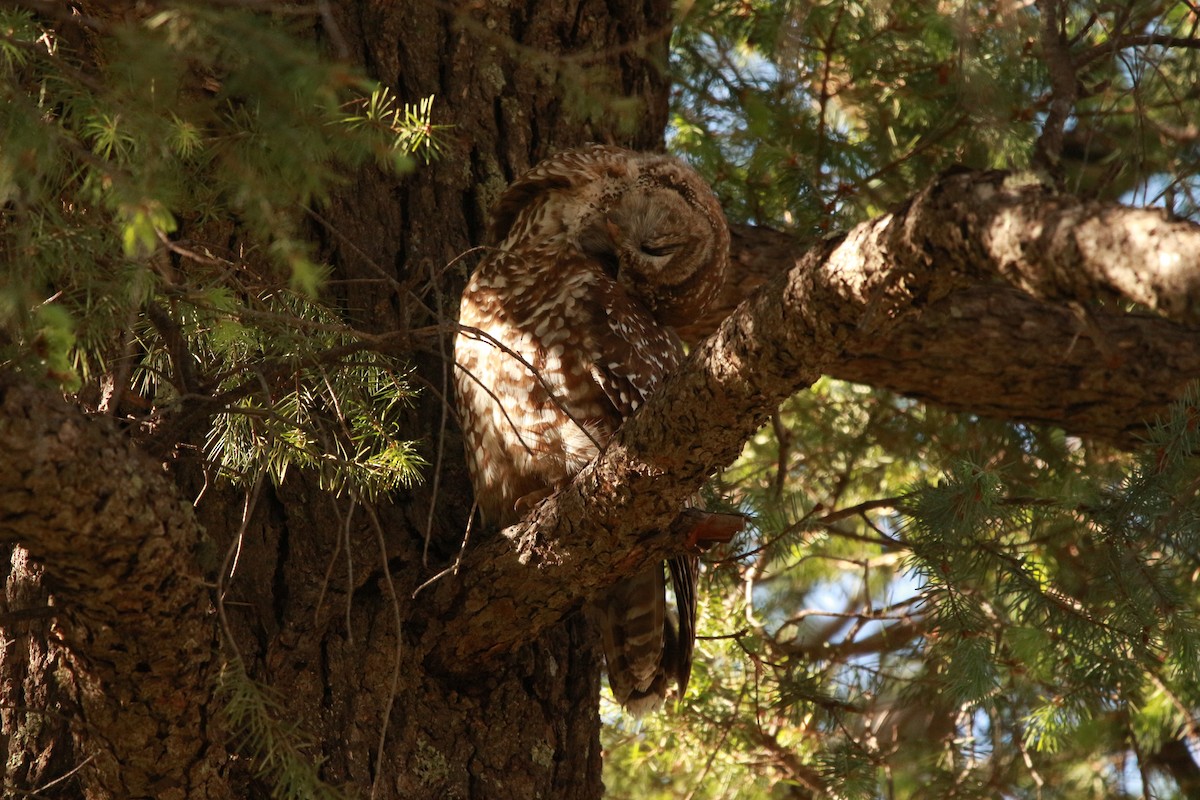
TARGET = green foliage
x,y
277,749
336,413
998,626
53,342
930,604
814,116
153,188
402,129
156,173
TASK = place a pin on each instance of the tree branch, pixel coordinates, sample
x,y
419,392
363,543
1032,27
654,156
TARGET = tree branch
x,y
116,542
847,295
1096,370
1056,54
997,352
1119,43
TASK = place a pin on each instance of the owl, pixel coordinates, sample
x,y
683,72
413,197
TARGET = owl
x,y
566,328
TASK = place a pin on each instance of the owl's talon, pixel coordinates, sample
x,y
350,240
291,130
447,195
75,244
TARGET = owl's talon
x,y
530,500
704,529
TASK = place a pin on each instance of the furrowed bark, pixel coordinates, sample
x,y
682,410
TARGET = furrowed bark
x,y
996,351
1094,368
116,543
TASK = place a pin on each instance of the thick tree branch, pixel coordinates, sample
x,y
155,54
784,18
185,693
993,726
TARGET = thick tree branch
x,y
1095,368
997,352
845,296
117,543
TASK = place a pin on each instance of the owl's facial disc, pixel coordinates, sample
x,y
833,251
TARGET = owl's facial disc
x,y
653,241
667,249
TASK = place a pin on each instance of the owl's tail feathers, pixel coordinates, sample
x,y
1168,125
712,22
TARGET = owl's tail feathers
x,y
632,617
648,646
679,633
704,529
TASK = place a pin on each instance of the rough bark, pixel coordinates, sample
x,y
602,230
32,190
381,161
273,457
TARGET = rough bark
x,y
995,351
506,79
845,295
129,603
1089,365
36,746
320,603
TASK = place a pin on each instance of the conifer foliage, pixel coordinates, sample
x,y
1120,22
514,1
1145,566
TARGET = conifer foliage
x,y
928,604
155,182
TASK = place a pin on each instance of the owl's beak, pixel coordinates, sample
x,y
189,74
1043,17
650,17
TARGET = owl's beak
x,y
613,231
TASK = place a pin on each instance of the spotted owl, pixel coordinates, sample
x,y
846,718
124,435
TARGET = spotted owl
x,y
594,255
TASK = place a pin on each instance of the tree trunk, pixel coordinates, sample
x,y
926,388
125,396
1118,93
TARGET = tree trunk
x,y
514,83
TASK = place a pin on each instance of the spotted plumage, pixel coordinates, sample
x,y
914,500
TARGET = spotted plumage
x,y
566,329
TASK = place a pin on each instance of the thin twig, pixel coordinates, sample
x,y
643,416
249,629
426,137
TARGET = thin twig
x,y
227,570
391,697
349,568
65,775
453,568
1135,40
447,359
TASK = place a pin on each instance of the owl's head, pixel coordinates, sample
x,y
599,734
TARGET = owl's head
x,y
662,235
648,220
